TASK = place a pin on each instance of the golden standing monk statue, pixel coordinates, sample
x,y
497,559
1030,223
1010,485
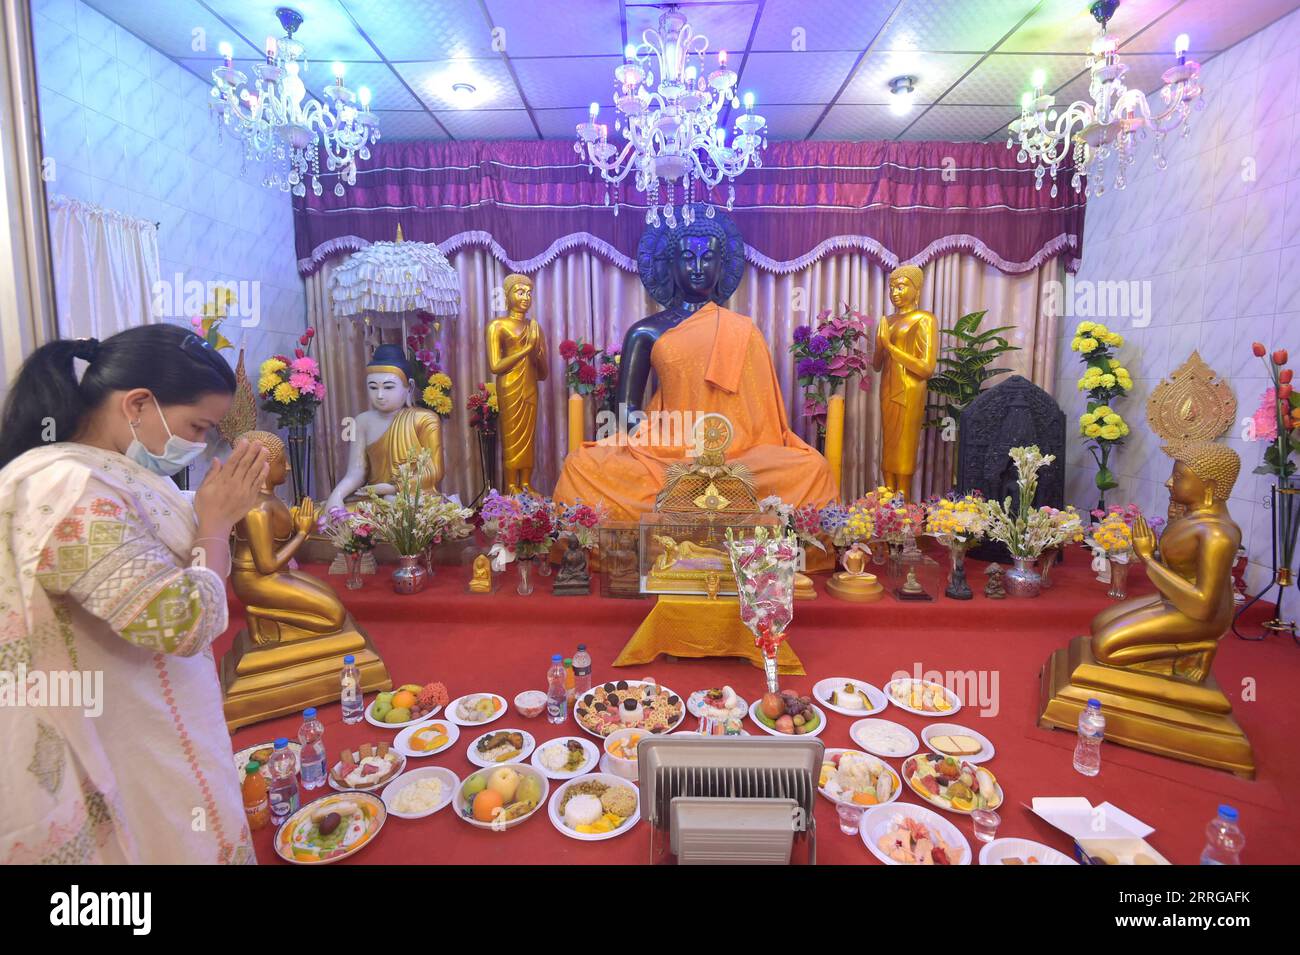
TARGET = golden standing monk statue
x,y
390,433
516,350
298,630
1148,659
907,349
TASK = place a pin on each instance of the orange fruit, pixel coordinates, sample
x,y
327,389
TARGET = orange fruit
x,y
403,699
486,803
865,799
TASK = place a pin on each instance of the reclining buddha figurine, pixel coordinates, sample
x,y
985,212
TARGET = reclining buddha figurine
x,y
1148,659
298,631
707,359
391,433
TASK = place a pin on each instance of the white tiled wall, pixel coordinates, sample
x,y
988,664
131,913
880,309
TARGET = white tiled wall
x,y
128,128
1217,236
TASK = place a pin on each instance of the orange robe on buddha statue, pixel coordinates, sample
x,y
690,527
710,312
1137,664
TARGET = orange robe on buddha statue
x,y
713,361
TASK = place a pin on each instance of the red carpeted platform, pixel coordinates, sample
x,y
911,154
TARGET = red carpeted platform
x,y
503,644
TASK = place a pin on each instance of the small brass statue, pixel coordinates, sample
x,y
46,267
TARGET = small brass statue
x,y
995,589
573,578
481,581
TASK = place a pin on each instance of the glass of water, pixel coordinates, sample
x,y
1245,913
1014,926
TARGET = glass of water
x,y
986,823
850,816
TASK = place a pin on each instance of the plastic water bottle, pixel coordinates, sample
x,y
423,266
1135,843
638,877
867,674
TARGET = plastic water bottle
x,y
354,707
284,782
556,699
1223,840
311,761
582,671
1092,728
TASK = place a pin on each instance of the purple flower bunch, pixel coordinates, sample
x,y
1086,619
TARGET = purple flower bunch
x,y
837,348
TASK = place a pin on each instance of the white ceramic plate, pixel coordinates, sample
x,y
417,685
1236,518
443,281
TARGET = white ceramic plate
x,y
994,852
821,723
953,729
898,782
695,704
610,780
588,747
521,768
401,765
242,757
402,742
473,756
878,820
822,694
455,718
931,714
450,784
631,683
397,726
376,816
936,801
907,742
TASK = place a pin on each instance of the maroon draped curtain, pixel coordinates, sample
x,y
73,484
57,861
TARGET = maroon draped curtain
x,y
899,202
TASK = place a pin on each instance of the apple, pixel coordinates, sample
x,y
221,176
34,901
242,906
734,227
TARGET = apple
x,y
785,725
504,782
772,705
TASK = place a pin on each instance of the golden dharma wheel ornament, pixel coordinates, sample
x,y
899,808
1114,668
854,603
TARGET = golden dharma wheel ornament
x,y
1195,404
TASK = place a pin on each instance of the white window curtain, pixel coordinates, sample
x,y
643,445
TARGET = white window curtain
x,y
105,268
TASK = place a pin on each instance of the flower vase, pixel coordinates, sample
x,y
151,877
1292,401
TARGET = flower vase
x,y
353,562
410,576
487,457
427,557
1045,567
769,644
895,568
1022,580
525,586
299,450
1118,579
958,588
544,565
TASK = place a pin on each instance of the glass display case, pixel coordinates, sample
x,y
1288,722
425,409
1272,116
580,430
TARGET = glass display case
x,y
681,554
617,559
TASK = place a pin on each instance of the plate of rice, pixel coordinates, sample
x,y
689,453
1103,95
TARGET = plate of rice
x,y
566,757
595,807
421,792
497,747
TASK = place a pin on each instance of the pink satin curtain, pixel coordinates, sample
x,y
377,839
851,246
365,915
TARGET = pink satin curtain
x,y
581,295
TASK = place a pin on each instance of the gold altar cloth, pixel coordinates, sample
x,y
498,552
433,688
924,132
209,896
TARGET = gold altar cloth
x,y
691,626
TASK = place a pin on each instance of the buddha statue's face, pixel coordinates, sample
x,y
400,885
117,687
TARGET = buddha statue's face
x,y
278,469
387,391
697,266
1186,488
902,293
519,298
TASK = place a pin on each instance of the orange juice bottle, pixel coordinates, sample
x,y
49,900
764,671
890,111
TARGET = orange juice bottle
x,y
257,797
570,683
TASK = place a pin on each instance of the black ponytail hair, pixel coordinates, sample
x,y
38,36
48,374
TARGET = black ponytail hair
x,y
175,364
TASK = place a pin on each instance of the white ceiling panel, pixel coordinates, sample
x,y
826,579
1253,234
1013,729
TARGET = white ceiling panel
x,y
861,122
433,81
561,123
957,123
177,27
789,122
488,123
326,29
575,81
385,85
427,30
398,125
725,25
934,72
1208,24
1066,26
953,25
565,29
808,77
824,25
1004,77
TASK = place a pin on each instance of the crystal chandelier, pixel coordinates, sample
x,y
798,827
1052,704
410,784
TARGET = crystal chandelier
x,y
283,133
1110,126
671,129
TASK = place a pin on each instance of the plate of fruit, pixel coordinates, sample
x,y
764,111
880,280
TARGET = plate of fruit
x,y
367,768
949,784
407,705
501,746
595,807
788,714
476,709
922,697
629,704
950,739
426,739
501,798
850,697
912,835
850,776
331,828
566,757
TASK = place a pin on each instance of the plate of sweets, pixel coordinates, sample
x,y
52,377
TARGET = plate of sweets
x,y
922,697
566,757
962,742
366,769
629,704
502,797
595,807
901,834
718,704
406,706
500,746
850,697
426,739
330,828
950,784
476,709
849,776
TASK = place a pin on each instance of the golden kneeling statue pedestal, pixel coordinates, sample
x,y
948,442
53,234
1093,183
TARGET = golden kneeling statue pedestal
x,y
1147,711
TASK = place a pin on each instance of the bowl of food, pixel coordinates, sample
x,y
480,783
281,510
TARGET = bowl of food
x,y
367,768
531,703
420,793
566,757
620,751
901,834
407,705
595,807
859,779
476,709
502,797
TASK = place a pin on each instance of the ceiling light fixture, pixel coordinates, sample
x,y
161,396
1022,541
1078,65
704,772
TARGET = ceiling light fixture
x,y
903,91
464,91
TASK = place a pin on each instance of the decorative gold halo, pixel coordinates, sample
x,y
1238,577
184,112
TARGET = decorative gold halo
x,y
713,433
1195,404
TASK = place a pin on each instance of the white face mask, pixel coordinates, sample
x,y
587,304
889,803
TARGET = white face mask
x,y
177,452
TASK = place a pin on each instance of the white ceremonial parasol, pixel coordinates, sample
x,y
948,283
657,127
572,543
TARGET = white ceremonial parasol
x,y
394,278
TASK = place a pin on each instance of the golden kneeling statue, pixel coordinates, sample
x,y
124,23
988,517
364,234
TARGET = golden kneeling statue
x,y
853,582
1148,659
298,631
